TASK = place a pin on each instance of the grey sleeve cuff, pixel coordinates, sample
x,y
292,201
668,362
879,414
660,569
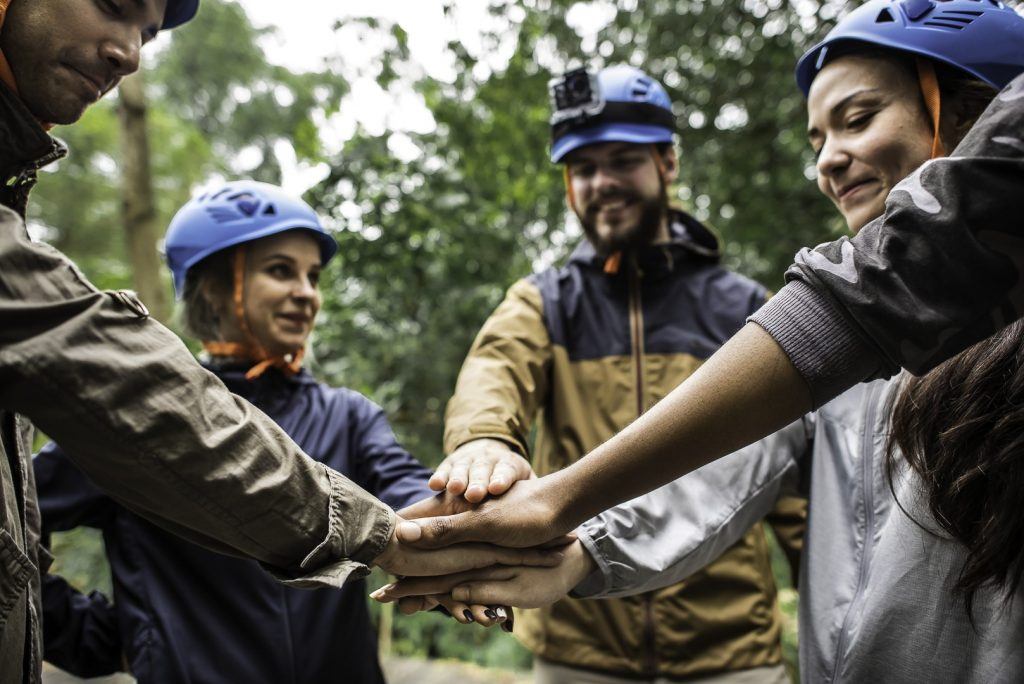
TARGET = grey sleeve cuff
x,y
600,580
826,349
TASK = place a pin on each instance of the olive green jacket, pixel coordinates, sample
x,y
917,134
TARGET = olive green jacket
x,y
145,422
580,354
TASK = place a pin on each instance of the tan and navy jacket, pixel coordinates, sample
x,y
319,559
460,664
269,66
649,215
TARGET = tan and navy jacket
x,y
579,354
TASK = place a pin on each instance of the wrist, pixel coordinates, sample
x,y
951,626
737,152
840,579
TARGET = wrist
x,y
563,501
578,565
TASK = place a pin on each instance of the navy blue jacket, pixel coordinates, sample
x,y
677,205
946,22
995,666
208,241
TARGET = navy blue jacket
x,y
186,614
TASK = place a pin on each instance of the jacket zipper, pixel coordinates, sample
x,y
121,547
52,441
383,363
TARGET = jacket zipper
x,y
867,482
636,322
59,151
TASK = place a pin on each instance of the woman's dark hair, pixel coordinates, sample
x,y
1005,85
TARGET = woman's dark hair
x,y
961,429
211,277
961,426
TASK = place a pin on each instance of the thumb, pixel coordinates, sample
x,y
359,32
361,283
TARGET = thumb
x,y
409,532
434,533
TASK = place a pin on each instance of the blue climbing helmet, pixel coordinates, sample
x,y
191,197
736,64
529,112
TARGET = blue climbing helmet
x,y
178,12
985,38
232,214
618,104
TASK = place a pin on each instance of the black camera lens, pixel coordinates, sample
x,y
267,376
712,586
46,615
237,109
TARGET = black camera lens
x,y
578,86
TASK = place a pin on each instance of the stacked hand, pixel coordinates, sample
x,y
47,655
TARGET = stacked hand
x,y
441,545
509,545
522,586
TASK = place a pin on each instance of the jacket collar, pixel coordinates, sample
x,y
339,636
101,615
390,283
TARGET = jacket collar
x,y
24,146
232,373
689,238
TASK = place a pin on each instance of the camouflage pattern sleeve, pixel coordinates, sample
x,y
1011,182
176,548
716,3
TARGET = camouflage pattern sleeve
x,y
939,271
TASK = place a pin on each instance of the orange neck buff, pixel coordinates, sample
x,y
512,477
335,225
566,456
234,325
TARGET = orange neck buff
x,y
289,364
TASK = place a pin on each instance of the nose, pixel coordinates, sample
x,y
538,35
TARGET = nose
x,y
122,52
304,290
604,181
832,158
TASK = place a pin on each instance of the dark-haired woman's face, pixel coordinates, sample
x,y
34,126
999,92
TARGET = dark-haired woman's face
x,y
869,130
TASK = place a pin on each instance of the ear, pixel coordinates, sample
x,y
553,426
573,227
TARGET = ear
x,y
671,162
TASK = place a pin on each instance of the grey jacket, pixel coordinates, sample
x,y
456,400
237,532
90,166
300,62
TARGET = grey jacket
x,y
876,600
145,422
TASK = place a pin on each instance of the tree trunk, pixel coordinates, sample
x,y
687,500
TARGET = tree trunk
x,y
138,209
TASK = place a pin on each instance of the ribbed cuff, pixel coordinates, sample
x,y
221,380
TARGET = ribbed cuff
x,y
826,349
598,581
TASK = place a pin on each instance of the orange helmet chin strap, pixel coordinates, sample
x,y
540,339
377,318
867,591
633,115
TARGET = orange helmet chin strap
x,y
614,260
932,102
289,364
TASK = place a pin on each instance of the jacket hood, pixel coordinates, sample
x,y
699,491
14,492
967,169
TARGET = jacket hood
x,y
688,237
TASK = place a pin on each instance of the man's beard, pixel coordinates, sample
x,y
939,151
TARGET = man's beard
x,y
642,233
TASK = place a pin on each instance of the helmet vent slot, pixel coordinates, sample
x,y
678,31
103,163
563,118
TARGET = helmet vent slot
x,y
270,210
641,89
884,17
947,24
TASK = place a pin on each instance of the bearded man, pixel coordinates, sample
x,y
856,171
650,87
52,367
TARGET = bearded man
x,y
587,347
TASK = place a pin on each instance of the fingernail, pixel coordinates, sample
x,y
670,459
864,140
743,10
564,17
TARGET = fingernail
x,y
491,614
508,624
502,615
409,531
468,615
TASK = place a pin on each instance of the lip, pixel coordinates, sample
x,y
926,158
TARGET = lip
x,y
613,206
295,319
94,86
847,191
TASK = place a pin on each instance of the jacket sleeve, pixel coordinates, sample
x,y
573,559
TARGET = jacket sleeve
x,y
940,270
162,436
505,375
663,537
383,467
80,632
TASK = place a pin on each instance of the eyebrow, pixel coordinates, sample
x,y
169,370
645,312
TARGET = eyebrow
x,y
286,257
621,148
841,105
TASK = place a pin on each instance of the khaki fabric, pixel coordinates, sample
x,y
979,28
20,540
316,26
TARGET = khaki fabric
x,y
517,378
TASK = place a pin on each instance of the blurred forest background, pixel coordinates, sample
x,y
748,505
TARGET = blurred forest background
x,y
433,226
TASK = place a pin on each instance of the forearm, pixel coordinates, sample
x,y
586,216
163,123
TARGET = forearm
x,y
745,391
